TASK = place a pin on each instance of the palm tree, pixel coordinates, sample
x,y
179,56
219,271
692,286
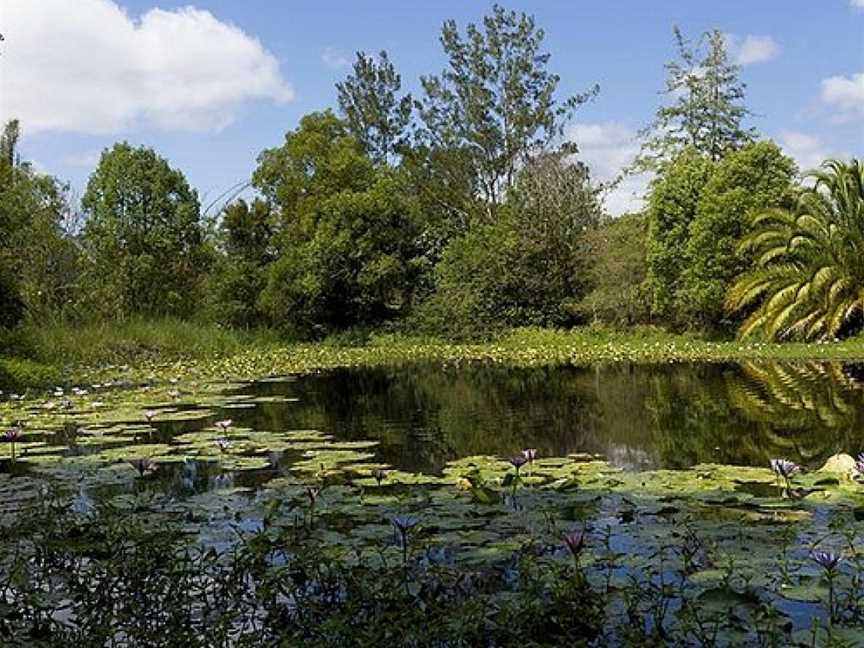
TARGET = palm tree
x,y
807,281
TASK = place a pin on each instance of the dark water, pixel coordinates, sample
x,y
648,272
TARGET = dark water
x,y
637,416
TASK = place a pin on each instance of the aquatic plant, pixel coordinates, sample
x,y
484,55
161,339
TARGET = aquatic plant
x,y
858,467
223,444
224,425
379,475
575,542
829,561
11,436
785,469
149,415
144,465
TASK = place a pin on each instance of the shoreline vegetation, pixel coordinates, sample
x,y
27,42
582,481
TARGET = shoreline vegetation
x,y
62,354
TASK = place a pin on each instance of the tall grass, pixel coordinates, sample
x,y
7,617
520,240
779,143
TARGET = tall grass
x,y
136,340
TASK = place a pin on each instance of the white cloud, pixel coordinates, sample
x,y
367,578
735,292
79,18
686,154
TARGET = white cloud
x,y
87,66
335,58
607,148
752,49
808,151
845,95
859,4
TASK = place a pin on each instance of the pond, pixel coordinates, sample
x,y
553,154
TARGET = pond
x,y
417,418
651,463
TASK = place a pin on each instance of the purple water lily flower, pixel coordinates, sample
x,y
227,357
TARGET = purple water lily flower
x,y
827,560
518,461
858,468
144,465
575,542
530,454
404,523
223,444
784,468
11,436
149,415
224,424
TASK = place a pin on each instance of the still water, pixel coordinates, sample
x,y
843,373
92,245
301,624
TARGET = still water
x,y
637,416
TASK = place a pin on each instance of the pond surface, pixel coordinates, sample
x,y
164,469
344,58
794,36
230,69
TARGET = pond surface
x,y
636,416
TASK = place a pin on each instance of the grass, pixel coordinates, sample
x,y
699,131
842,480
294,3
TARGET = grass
x,y
135,341
175,347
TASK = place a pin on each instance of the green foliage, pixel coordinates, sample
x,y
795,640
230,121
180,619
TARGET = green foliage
x,y
11,306
346,231
135,341
808,279
143,239
20,373
616,253
672,207
240,274
525,269
707,110
368,98
496,100
38,260
751,180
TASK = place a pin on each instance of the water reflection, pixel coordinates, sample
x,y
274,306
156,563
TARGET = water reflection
x,y
639,417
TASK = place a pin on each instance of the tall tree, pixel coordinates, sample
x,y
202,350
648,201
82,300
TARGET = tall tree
x,y
495,100
369,100
707,110
346,231
37,255
744,183
143,238
672,206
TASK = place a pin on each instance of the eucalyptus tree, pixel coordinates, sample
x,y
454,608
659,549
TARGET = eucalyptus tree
x,y
369,99
495,102
707,109
808,278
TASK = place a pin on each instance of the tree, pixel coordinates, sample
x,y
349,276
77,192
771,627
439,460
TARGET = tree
x,y
143,239
528,267
616,250
346,231
748,181
37,256
808,279
672,207
369,99
240,274
495,101
707,110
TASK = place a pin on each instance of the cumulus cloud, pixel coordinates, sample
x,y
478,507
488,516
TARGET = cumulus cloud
x,y
752,49
335,58
808,151
87,66
607,148
845,95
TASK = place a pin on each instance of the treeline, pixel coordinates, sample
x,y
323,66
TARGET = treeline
x,y
460,211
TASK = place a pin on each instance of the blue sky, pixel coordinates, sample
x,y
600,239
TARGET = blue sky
x,y
209,83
